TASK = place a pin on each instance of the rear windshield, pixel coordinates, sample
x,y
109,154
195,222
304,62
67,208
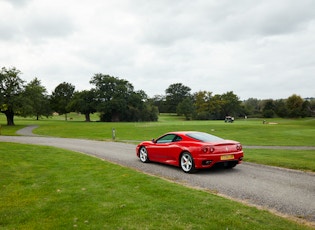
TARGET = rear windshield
x,y
204,137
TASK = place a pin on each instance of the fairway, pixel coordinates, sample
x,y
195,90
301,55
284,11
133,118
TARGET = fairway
x,y
250,132
282,132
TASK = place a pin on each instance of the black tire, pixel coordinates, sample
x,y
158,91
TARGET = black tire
x,y
187,163
143,155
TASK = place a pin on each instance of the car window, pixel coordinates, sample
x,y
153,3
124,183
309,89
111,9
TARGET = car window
x,y
166,139
204,137
177,138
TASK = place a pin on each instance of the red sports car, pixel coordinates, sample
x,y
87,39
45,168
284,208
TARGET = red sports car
x,y
191,150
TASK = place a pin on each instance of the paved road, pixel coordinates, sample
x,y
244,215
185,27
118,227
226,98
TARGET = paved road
x,y
289,192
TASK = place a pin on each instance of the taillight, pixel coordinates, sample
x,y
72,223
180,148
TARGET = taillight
x,y
209,149
239,147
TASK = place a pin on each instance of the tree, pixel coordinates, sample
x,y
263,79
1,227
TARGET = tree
x,y
231,104
280,108
186,108
306,112
203,105
216,111
112,94
269,109
251,107
37,101
160,102
150,112
11,89
61,98
294,105
84,102
311,107
175,94
117,100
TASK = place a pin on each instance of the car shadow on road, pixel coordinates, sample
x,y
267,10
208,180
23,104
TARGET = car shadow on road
x,y
218,169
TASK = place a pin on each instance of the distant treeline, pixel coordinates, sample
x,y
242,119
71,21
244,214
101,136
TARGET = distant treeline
x,y
116,100
203,105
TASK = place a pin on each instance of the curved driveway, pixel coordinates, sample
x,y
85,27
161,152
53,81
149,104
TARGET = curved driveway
x,y
288,192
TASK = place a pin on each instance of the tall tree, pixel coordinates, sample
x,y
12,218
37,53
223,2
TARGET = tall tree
x,y
294,105
11,88
117,100
269,109
231,104
37,100
186,108
61,98
203,105
84,102
217,111
112,94
280,108
175,94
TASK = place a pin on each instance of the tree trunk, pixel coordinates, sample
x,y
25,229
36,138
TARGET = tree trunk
x,y
10,117
87,117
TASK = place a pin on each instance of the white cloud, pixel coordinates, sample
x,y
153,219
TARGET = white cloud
x,y
256,49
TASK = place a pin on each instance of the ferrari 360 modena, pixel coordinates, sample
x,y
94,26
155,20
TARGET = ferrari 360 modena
x,y
191,150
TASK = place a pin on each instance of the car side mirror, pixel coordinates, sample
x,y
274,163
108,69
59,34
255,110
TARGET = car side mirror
x,y
153,140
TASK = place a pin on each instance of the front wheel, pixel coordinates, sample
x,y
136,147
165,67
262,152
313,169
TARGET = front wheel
x,y
187,163
143,155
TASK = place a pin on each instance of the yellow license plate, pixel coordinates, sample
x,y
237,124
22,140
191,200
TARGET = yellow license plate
x,y
227,157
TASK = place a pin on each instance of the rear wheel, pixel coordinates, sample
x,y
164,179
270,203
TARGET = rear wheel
x,y
187,163
143,155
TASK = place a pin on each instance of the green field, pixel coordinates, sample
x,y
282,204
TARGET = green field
x,y
51,188
292,159
250,132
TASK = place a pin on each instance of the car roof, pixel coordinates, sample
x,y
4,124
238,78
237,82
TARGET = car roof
x,y
200,136
183,132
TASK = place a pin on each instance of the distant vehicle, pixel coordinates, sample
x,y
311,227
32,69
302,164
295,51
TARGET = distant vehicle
x,y
229,119
191,150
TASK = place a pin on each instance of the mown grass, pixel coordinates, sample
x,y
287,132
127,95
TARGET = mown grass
x,y
293,132
282,132
51,188
250,132
292,159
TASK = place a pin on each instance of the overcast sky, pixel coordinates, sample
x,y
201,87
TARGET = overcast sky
x,y
257,49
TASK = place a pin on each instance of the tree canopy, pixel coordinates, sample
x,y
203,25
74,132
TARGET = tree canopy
x,y
61,98
175,94
11,89
116,100
36,100
84,102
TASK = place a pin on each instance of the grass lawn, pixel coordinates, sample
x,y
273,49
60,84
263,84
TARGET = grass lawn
x,y
295,132
51,188
250,132
293,159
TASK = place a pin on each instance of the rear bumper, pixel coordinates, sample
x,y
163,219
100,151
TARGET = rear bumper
x,y
208,160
